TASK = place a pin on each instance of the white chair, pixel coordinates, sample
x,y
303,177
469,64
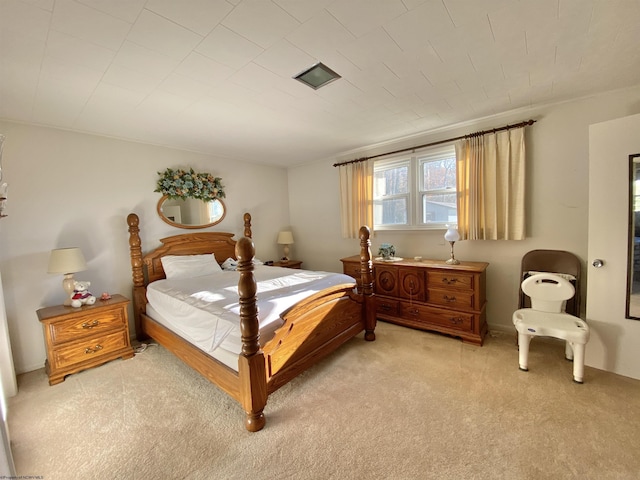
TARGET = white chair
x,y
546,318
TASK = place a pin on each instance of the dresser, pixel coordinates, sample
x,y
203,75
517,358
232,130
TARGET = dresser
x,y
85,337
430,295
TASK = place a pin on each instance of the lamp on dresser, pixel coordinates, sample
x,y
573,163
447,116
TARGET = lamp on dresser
x,y
285,238
67,261
452,236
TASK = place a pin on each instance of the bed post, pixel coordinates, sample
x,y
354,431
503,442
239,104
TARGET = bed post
x,y
366,274
247,225
251,367
139,290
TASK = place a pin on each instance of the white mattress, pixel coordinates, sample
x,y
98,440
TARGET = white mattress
x,y
205,310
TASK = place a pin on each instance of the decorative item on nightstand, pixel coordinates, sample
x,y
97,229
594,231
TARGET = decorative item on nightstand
x,y
285,238
67,261
452,236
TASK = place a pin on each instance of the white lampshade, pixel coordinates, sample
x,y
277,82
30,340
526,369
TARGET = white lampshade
x,y
285,238
66,260
451,235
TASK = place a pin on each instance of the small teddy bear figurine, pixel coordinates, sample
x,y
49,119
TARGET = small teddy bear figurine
x,y
81,294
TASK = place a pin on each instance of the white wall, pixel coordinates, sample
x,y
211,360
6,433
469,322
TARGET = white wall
x,y
69,189
557,185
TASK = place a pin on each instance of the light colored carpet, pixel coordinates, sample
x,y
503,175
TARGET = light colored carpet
x,y
411,405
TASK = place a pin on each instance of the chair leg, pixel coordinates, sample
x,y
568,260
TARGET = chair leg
x,y
523,351
578,362
568,350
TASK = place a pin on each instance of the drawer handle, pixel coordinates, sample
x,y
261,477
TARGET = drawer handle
x,y
456,320
95,349
449,299
95,323
449,281
385,307
414,311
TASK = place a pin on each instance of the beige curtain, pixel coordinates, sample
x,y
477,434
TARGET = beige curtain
x,y
356,197
490,172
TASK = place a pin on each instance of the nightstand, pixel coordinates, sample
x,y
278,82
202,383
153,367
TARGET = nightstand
x,y
85,337
289,264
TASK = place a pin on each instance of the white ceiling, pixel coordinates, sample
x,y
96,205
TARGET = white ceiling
x,y
214,76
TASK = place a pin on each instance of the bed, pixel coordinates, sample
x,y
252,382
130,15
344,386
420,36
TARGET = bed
x,y
307,331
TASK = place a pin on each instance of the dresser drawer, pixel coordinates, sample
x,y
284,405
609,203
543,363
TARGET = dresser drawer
x,y
352,269
432,316
462,281
457,299
89,350
88,324
386,306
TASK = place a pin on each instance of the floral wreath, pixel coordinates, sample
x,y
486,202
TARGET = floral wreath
x,y
188,184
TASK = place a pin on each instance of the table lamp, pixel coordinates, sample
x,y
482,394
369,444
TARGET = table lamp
x,y
67,261
452,236
285,238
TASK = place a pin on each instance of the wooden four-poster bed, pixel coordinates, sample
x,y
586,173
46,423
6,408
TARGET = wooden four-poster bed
x,y
309,330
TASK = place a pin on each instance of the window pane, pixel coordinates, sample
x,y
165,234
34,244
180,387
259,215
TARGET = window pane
x,y
392,211
439,207
439,174
391,181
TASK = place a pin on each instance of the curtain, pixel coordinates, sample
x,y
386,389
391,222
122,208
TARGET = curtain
x,y
356,197
490,172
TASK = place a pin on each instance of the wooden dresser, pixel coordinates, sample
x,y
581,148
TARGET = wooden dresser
x,y
430,295
81,338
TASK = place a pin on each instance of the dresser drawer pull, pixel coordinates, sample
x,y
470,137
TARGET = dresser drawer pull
x,y
456,320
449,299
95,349
449,281
385,307
414,311
88,325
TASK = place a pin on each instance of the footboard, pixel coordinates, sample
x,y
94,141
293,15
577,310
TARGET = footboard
x,y
313,329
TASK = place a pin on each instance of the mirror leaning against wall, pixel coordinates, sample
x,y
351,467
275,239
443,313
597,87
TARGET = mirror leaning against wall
x,y
190,199
633,264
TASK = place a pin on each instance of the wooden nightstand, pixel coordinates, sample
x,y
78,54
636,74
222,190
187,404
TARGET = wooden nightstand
x,y
289,264
85,337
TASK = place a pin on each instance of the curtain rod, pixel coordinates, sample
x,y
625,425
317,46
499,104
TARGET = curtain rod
x,y
440,142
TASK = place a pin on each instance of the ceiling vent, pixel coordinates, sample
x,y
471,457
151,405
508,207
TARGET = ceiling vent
x,y
317,76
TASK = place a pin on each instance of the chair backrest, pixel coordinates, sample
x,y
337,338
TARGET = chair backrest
x,y
552,261
548,292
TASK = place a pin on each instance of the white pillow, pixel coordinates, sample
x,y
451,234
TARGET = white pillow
x,y
187,266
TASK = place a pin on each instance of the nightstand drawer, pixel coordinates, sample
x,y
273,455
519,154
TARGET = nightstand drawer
x,y
89,350
85,325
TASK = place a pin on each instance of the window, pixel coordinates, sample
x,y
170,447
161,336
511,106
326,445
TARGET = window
x,y
415,192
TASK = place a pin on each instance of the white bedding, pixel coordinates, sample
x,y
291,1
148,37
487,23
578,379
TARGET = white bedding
x,y
205,311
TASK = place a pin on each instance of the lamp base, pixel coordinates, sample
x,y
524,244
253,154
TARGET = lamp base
x,y
452,260
68,285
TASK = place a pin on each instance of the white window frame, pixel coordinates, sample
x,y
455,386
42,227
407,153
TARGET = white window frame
x,y
416,188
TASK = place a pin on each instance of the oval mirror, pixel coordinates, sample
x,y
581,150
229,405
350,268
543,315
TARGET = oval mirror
x,y
190,212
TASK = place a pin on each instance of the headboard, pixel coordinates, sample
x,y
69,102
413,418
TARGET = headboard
x,y
147,268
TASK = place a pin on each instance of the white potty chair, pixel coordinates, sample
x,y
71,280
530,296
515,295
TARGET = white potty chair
x,y
546,318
